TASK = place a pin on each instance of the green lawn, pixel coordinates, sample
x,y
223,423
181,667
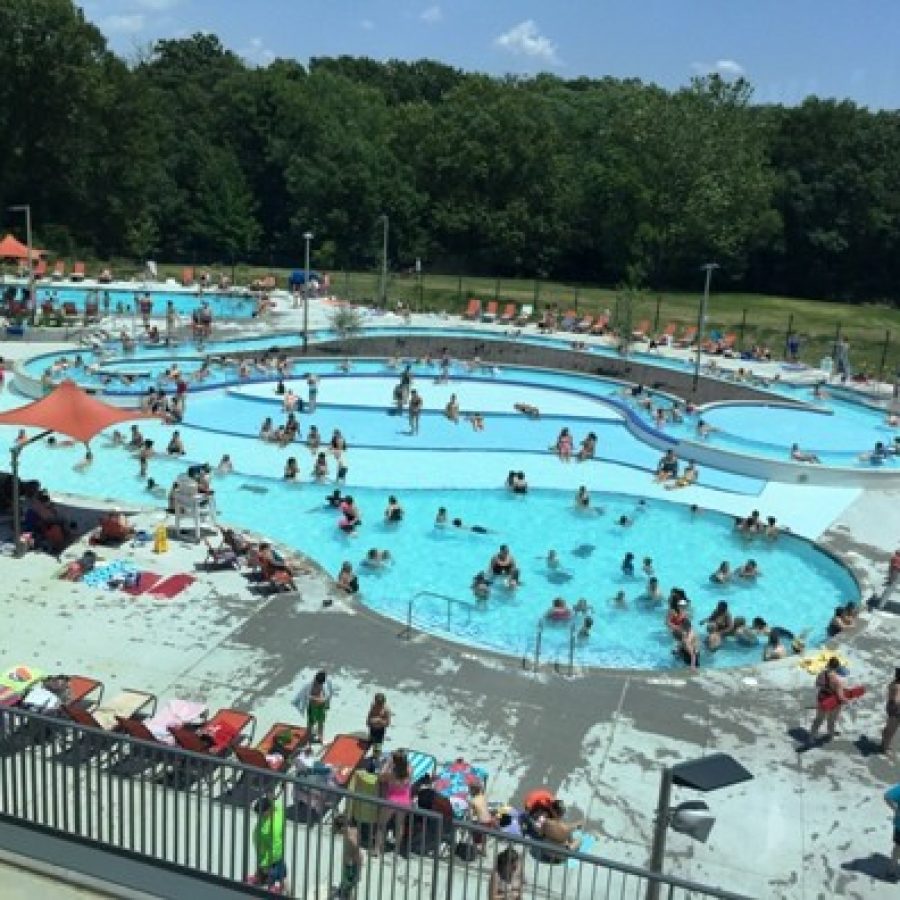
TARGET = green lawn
x,y
754,318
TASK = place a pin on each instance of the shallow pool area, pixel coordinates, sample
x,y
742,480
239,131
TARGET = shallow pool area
x,y
122,301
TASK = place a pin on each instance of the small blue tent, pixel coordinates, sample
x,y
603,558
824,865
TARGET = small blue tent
x,y
298,278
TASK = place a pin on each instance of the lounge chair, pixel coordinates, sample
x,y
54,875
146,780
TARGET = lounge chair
x,y
91,311
48,311
70,312
296,737
688,338
569,320
525,314
584,325
104,716
105,277
509,314
490,314
219,736
59,270
221,557
641,331
726,344
75,689
187,277
345,755
40,270
600,325
77,272
473,310
274,576
667,335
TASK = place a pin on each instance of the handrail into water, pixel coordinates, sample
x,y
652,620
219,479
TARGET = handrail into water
x,y
408,629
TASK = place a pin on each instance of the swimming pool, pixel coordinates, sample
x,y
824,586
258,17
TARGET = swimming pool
x,y
116,300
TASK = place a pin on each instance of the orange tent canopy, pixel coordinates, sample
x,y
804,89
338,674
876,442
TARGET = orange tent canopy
x,y
12,248
71,411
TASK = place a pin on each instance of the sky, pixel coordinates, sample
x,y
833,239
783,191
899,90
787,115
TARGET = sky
x,y
788,49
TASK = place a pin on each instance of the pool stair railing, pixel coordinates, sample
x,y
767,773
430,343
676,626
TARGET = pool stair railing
x,y
534,663
407,631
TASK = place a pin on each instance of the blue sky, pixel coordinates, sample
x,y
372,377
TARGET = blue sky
x,y
786,48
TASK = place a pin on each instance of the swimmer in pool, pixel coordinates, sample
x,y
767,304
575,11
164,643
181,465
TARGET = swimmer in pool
x,y
620,601
552,559
722,575
625,522
628,565
582,498
647,566
476,529
804,456
377,559
440,520
481,586
582,607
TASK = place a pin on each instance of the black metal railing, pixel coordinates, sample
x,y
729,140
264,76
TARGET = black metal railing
x,y
198,814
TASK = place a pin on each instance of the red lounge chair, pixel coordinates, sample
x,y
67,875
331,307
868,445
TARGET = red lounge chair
x,y
688,338
77,272
256,756
91,311
70,310
640,333
225,730
187,277
81,688
59,269
473,310
40,270
490,314
509,313
135,728
345,754
726,345
48,310
668,332
599,326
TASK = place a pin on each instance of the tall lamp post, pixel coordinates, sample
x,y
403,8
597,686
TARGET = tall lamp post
x,y
701,319
32,302
307,236
384,255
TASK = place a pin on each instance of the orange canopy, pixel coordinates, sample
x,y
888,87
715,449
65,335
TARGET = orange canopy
x,y
71,411
12,248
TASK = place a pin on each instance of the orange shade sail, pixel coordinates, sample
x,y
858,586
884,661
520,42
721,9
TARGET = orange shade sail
x,y
12,248
70,411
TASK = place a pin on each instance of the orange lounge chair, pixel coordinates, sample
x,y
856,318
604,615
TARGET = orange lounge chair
x,y
91,311
726,344
59,269
473,310
599,326
257,756
641,331
490,314
687,339
104,717
40,270
219,736
345,754
509,313
187,277
669,331
77,272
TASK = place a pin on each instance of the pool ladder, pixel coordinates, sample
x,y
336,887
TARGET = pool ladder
x,y
534,663
407,631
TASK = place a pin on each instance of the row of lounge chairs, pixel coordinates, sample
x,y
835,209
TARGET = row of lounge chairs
x,y
58,272
490,312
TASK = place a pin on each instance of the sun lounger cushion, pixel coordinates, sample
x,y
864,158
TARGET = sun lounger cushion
x,y
126,704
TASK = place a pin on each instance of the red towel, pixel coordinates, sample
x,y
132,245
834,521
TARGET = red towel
x,y
146,581
173,585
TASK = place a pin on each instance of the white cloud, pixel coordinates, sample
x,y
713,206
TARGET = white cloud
x,y
124,24
367,25
258,52
432,15
727,68
525,39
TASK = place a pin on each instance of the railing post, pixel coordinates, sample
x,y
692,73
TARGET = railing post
x,y
572,634
537,645
660,829
409,612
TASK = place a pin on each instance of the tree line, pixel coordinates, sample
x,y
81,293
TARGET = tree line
x,y
186,153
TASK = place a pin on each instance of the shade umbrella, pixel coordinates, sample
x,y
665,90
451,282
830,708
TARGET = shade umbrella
x,y
12,248
68,410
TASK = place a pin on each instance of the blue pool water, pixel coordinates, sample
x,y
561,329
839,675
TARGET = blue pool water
x,y
229,306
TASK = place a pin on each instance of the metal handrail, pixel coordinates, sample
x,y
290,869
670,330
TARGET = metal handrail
x,y
406,633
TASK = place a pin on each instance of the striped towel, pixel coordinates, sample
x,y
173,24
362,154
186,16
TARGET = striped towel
x,y
420,764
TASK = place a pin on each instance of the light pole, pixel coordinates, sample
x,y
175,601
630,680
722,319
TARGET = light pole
x,y
384,255
307,236
701,319
32,301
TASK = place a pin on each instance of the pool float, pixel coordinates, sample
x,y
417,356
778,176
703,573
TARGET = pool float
x,y
831,702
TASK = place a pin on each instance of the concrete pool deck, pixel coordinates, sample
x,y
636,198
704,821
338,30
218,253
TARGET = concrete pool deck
x,y
820,827
599,738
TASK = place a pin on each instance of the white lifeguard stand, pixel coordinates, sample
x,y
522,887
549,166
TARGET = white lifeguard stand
x,y
190,505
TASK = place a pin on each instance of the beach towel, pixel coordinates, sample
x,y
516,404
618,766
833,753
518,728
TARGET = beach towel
x,y
172,586
101,576
145,581
819,662
453,780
